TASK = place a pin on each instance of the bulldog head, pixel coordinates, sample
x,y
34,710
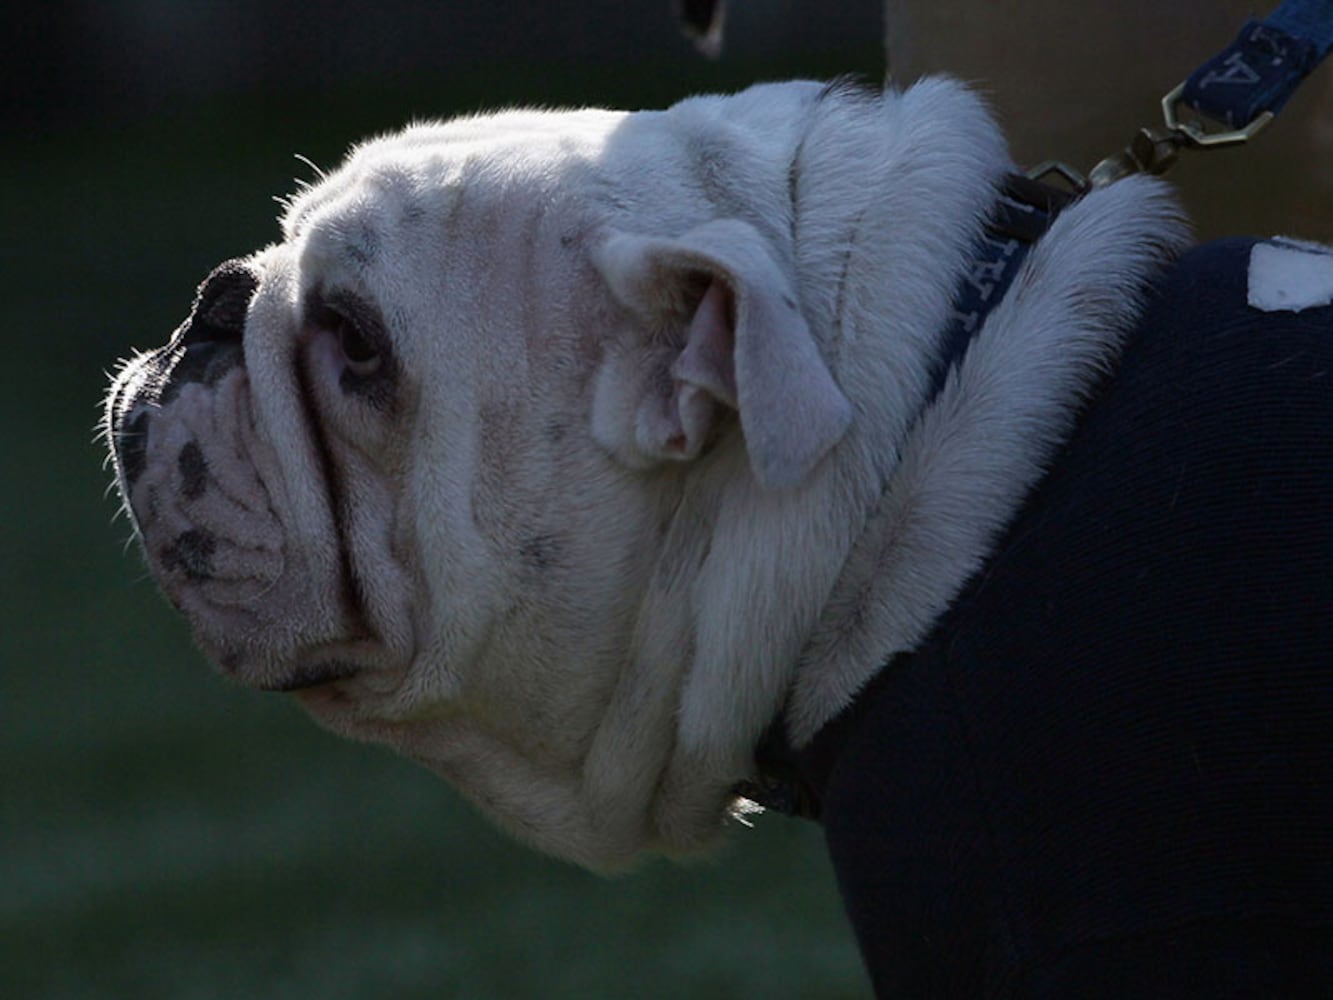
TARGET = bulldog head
x,y
447,462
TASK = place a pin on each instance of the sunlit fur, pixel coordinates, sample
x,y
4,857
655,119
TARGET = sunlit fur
x,y
590,573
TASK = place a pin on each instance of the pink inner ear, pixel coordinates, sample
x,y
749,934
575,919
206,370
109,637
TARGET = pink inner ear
x,y
708,360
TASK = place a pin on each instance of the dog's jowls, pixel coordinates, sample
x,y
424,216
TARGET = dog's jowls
x,y
562,451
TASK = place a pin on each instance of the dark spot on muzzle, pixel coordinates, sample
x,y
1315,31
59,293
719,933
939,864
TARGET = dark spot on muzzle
x,y
213,334
194,471
191,553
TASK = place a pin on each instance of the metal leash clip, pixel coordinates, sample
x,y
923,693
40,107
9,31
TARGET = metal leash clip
x,y
1155,150
1259,71
1198,136
1152,150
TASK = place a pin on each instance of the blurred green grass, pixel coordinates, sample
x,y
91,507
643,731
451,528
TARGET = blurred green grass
x,y
165,835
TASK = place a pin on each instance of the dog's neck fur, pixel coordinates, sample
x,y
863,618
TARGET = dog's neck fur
x,y
972,455
906,508
743,588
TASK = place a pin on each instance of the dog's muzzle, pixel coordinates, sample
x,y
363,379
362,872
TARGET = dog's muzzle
x,y
201,350
194,471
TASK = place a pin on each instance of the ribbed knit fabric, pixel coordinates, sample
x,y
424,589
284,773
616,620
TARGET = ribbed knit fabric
x,y
1110,770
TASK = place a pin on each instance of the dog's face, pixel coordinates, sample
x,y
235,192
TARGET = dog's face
x,y
420,462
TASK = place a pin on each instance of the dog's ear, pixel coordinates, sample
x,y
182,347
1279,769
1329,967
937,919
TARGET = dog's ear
x,y
719,327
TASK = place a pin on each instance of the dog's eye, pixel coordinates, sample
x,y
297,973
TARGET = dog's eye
x,y
361,356
349,336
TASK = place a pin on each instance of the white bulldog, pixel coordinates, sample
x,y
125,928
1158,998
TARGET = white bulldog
x,y
565,451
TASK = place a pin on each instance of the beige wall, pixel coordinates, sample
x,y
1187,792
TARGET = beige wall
x,y
1074,81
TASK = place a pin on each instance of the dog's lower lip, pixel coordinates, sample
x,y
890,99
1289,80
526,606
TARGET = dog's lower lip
x,y
311,677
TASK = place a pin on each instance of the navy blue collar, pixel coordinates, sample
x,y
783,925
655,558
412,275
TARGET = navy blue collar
x,y
1024,210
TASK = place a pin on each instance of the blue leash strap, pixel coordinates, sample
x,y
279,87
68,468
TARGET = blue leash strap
x,y
1238,91
1262,68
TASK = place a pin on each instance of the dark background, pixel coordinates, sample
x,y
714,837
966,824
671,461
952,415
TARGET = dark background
x,y
165,835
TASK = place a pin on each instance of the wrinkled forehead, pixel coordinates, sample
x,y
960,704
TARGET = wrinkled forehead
x,y
428,170
457,225
459,205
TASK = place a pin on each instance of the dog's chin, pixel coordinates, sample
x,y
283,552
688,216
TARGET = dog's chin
x,y
311,667
307,678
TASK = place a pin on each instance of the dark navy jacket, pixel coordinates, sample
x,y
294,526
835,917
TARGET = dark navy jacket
x,y
1109,773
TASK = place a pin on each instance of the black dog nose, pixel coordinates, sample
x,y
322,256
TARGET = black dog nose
x,y
220,304
212,335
